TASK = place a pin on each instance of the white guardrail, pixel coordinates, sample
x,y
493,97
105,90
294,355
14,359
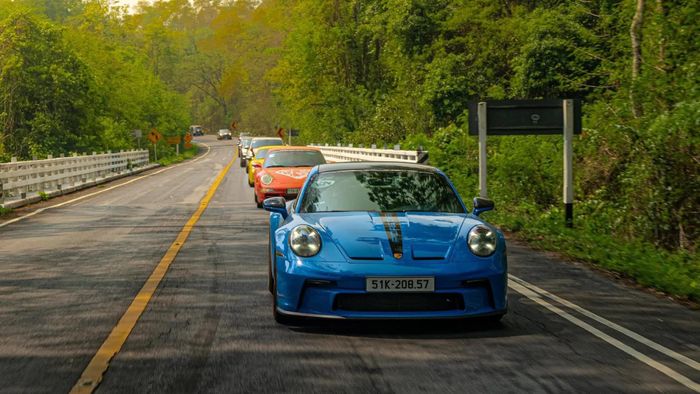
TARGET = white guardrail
x,y
340,154
20,178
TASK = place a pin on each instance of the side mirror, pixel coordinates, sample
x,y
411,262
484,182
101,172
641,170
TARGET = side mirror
x,y
276,205
482,205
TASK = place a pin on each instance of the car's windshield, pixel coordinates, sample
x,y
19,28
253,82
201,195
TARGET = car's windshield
x,y
294,158
270,142
246,142
261,153
380,190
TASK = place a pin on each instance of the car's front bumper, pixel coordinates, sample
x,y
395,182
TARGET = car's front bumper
x,y
315,291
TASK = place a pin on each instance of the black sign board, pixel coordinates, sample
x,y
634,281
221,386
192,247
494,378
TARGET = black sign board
x,y
523,117
294,132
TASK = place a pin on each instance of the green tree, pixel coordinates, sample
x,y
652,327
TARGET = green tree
x,y
46,92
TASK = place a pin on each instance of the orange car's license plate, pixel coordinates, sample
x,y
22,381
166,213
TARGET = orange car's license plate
x,y
292,191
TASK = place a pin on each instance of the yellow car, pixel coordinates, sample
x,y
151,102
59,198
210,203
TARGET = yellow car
x,y
256,162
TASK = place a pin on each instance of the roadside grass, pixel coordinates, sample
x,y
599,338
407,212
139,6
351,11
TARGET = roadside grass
x,y
5,211
174,159
675,273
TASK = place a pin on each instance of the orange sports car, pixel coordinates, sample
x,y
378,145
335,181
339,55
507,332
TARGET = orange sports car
x,y
284,171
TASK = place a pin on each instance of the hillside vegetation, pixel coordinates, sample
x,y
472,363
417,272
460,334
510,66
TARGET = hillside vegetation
x,y
80,75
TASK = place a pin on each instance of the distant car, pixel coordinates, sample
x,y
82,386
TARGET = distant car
x,y
224,134
243,145
284,171
255,163
255,143
383,241
196,130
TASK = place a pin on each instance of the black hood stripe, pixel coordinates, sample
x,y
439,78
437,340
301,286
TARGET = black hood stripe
x,y
392,226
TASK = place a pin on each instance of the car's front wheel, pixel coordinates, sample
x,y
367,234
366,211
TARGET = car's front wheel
x,y
258,203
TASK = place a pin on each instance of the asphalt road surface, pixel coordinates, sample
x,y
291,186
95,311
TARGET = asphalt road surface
x,y
68,274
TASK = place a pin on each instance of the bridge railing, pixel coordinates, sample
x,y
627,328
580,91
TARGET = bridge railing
x,y
18,179
340,154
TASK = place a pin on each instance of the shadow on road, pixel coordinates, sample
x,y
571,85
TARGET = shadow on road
x,y
411,329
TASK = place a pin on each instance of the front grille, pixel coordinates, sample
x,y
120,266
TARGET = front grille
x,y
399,302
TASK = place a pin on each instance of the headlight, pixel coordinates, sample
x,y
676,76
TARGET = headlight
x,y
305,241
482,241
266,179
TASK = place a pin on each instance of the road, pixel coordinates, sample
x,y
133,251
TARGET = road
x,y
68,274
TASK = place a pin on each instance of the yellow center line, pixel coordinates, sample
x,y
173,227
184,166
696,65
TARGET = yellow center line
x,y
92,375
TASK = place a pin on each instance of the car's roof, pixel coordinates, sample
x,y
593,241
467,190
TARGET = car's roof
x,y
268,147
266,138
374,165
286,147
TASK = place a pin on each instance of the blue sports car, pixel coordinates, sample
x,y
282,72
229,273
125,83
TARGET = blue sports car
x,y
383,241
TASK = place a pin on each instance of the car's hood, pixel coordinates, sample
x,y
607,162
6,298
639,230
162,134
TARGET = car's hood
x,y
289,175
376,235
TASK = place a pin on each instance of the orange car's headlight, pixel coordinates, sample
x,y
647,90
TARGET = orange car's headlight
x,y
266,179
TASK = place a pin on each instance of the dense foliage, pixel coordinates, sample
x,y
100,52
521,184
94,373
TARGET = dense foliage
x,y
369,71
81,74
74,79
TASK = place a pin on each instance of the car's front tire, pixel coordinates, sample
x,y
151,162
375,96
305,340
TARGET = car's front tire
x,y
258,203
243,163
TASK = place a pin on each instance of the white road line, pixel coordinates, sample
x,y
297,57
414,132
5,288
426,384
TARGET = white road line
x,y
537,298
643,340
40,210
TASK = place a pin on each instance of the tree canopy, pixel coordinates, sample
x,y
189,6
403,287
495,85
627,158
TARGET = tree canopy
x,y
80,75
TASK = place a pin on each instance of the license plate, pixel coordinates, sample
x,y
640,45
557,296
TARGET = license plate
x,y
292,191
400,284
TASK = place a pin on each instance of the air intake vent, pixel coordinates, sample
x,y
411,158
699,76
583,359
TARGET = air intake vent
x,y
399,302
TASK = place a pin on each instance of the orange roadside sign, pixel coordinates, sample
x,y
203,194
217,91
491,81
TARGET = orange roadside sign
x,y
188,145
188,138
154,136
174,140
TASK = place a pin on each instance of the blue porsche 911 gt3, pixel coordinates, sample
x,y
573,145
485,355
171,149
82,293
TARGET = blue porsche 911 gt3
x,y
383,241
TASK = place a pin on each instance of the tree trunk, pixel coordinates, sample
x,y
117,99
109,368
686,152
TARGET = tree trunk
x,y
636,38
662,38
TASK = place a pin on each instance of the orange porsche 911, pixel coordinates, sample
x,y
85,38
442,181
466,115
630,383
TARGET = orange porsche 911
x,y
284,171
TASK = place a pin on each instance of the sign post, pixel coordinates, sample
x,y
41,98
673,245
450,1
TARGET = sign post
x,y
528,117
293,133
482,149
137,135
154,136
175,140
568,106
